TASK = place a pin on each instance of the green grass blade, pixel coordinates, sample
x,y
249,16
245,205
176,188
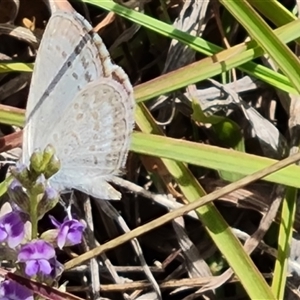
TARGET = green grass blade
x,y
4,185
274,11
6,67
285,236
212,157
11,117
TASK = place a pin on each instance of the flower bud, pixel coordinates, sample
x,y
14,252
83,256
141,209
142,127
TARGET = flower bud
x,y
21,173
52,167
39,186
48,201
48,153
18,195
36,161
50,236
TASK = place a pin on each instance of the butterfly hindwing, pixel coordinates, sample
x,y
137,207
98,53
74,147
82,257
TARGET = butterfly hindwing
x,y
95,133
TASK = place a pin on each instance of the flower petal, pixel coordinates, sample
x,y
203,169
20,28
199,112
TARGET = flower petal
x,y
13,225
55,222
62,236
32,267
44,266
13,242
38,249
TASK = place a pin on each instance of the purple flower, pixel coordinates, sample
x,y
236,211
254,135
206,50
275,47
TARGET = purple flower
x,y
10,290
11,229
69,232
36,256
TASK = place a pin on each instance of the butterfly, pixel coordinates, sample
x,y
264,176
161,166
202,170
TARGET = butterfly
x,y
80,103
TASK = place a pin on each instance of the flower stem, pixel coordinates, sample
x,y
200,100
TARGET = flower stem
x,y
33,214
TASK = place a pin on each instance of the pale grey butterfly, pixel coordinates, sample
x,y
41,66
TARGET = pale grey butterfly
x,y
80,103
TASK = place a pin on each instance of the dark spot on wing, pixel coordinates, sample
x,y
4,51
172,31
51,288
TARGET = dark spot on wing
x,y
87,76
84,62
